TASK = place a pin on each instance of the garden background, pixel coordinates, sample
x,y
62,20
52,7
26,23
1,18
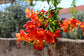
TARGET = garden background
x,y
12,17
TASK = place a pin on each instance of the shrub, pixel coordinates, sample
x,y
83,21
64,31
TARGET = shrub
x,y
12,19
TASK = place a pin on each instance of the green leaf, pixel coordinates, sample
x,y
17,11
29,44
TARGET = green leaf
x,y
71,10
51,1
59,8
41,17
32,4
48,1
32,43
42,0
26,1
73,3
51,29
75,11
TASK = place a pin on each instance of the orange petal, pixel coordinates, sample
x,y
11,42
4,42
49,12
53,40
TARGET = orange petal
x,y
27,10
83,33
17,35
18,40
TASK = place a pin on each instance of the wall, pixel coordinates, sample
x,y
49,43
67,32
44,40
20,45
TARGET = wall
x,y
67,15
65,47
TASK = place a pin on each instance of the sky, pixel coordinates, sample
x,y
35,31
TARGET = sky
x,y
43,5
67,3
63,4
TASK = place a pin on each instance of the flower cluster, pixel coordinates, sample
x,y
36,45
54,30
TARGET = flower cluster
x,y
70,24
82,26
39,30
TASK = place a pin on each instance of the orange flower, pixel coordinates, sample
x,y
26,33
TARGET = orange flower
x,y
18,37
50,15
66,22
75,22
34,17
41,35
30,25
31,14
82,26
42,10
39,45
27,10
40,31
50,37
46,12
50,12
57,33
60,24
38,34
65,25
21,36
70,24
31,35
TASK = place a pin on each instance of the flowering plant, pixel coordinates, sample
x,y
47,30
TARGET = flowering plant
x,y
45,27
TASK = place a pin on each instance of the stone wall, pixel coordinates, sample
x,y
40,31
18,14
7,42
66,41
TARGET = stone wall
x,y
65,47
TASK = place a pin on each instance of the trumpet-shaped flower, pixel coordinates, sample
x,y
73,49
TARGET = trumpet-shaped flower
x,y
21,36
82,26
57,33
39,45
70,24
50,37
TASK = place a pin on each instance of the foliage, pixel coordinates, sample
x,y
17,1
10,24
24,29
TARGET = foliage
x,y
73,10
12,20
76,34
80,16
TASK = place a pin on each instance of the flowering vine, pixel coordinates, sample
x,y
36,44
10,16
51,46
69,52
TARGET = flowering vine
x,y
37,30
44,29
